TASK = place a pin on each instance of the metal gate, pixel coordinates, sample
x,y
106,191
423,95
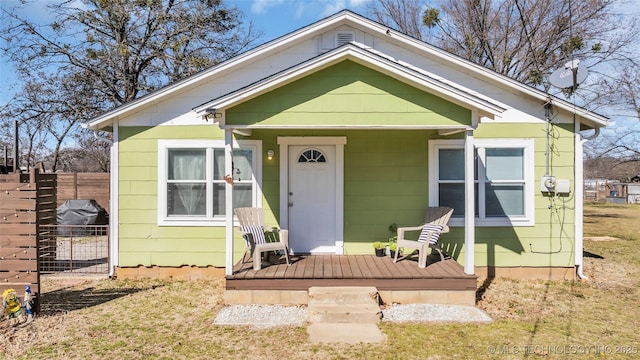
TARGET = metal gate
x,y
78,249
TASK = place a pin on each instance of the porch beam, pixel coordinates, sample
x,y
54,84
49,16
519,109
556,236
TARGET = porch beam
x,y
228,170
469,201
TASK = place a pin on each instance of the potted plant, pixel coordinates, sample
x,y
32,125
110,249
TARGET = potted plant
x,y
393,247
379,247
393,239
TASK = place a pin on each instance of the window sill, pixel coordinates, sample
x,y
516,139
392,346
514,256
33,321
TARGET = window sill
x,y
195,223
503,222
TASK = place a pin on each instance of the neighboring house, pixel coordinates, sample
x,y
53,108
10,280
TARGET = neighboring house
x,y
339,130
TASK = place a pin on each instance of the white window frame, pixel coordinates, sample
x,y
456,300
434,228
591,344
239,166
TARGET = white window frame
x,y
208,220
528,219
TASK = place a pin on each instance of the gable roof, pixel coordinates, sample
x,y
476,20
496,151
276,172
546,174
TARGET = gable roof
x,y
359,51
368,57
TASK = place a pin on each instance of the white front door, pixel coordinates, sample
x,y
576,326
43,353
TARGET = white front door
x,y
312,198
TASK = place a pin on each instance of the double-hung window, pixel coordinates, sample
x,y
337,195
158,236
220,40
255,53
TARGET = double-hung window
x,y
503,180
192,184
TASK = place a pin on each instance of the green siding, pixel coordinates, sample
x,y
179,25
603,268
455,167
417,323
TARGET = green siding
x,y
551,241
347,94
386,181
142,241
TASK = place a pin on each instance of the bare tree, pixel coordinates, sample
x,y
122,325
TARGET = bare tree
x,y
527,40
403,15
523,39
99,54
621,143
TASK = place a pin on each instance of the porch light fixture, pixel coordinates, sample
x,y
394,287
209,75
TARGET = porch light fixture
x,y
270,154
211,114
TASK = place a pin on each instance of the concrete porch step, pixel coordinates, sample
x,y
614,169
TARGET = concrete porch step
x,y
370,317
346,294
351,333
344,314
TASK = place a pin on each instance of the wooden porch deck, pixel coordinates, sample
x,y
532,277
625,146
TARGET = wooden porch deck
x,y
352,270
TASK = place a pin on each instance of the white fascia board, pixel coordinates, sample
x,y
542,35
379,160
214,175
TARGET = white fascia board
x,y
592,118
271,46
445,128
343,17
416,77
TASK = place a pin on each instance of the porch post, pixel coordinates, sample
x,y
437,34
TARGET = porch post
x,y
469,201
228,192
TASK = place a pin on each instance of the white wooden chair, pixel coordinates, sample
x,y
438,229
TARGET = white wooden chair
x,y
255,234
435,223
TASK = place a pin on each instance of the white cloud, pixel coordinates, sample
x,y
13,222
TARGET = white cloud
x,y
261,6
322,8
333,7
357,3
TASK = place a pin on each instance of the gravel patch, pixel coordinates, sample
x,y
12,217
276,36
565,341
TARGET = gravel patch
x,y
266,316
434,312
262,316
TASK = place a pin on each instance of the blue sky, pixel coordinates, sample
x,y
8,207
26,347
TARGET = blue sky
x,y
279,17
272,18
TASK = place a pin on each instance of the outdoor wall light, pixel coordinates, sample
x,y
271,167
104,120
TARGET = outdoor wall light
x,y
270,154
212,114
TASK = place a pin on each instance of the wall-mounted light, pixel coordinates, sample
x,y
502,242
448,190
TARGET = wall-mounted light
x,y
270,154
211,114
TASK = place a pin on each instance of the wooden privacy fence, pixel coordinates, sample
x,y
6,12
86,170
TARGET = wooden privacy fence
x,y
83,186
26,202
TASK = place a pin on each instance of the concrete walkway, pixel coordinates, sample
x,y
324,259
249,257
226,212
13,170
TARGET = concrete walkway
x,y
344,314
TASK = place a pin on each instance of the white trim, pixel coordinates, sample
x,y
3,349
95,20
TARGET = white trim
x,y
228,192
356,21
403,72
164,145
434,146
529,179
469,201
339,141
114,203
578,196
453,128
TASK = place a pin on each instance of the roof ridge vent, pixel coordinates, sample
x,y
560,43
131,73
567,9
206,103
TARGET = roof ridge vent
x,y
343,37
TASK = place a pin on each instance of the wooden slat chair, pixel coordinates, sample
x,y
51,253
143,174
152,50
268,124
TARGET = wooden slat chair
x,y
253,229
435,223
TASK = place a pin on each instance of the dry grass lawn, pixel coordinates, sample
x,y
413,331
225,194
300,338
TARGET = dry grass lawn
x,y
86,318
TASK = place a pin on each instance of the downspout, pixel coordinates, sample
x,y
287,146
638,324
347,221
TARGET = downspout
x,y
113,197
579,206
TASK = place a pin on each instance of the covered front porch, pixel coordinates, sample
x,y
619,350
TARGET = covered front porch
x,y
442,282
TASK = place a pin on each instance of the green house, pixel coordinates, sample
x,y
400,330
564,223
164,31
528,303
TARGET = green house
x,y
339,130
